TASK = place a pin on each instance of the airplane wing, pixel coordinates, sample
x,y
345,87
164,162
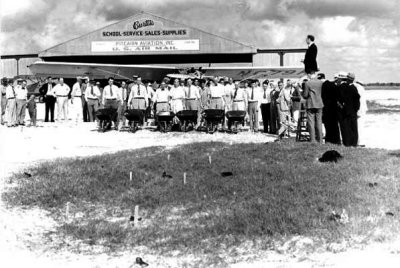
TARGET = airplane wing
x,y
153,72
259,72
99,71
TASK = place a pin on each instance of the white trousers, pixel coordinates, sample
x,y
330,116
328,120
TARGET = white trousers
x,y
62,103
77,114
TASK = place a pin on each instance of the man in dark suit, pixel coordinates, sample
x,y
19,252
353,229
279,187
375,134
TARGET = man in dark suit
x,y
348,105
310,59
312,95
330,111
49,98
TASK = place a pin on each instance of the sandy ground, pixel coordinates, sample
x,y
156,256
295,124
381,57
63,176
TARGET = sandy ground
x,y
20,230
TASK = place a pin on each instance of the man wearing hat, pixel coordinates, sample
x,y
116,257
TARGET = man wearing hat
x,y
363,107
76,100
11,105
49,97
348,106
3,88
314,105
330,120
161,98
192,96
21,96
92,96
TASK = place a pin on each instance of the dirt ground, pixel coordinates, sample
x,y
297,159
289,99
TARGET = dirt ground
x,y
21,229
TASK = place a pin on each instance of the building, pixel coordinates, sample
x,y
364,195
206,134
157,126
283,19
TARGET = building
x,y
149,39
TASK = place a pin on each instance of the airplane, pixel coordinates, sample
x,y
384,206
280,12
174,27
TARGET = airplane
x,y
157,73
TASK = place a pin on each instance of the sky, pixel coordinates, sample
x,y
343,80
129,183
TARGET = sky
x,y
361,36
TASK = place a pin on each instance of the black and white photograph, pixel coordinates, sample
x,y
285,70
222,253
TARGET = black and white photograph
x,y
213,133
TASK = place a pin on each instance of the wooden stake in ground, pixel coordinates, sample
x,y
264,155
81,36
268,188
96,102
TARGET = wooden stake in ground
x,y
136,215
168,157
209,158
184,178
130,176
67,212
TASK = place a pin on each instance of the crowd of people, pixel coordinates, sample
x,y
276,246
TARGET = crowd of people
x,y
337,105
277,104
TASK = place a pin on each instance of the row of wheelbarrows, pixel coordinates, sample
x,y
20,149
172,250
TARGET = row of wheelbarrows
x,y
166,121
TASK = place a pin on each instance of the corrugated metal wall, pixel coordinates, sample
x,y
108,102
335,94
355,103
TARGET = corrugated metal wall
x,y
8,67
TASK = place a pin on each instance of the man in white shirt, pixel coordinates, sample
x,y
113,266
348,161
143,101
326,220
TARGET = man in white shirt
x,y
217,93
138,97
122,101
239,97
62,90
161,98
11,105
21,96
265,105
192,96
92,97
110,96
178,95
253,96
76,100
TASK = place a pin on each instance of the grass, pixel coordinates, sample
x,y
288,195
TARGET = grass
x,y
276,191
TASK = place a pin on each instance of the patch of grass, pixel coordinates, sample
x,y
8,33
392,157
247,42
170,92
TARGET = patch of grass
x,y
276,190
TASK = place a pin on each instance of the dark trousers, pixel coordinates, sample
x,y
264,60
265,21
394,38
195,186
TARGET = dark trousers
x,y
32,115
349,130
314,120
85,110
266,116
49,103
332,131
274,123
112,104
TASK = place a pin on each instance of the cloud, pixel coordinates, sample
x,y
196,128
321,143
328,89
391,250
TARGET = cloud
x,y
351,34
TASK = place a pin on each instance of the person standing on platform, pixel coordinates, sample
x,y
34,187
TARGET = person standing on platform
x,y
3,87
76,100
216,95
85,113
330,111
310,58
92,96
312,95
21,96
348,105
253,97
362,112
32,110
11,105
62,90
275,125
110,96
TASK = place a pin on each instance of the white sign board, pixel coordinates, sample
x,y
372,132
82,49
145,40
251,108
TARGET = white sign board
x,y
145,45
